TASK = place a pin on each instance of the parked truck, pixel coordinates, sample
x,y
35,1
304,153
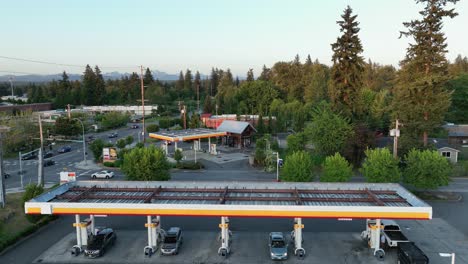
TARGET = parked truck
x,y
392,233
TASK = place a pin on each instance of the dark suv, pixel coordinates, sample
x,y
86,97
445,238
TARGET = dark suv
x,y
100,243
173,239
29,156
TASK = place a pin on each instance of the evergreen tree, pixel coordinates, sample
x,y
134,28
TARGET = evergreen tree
x,y
188,83
266,74
237,81
348,65
148,77
179,86
250,76
214,81
63,96
100,87
308,60
197,84
208,105
89,85
420,98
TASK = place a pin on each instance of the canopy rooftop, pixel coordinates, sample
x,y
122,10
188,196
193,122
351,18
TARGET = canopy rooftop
x,y
250,199
187,134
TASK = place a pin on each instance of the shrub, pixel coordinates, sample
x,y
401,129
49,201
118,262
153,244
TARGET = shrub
x,y
178,155
129,140
336,169
426,169
297,167
146,164
152,128
380,166
190,165
31,191
108,164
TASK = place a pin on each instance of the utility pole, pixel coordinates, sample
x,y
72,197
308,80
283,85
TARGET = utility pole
x,y
395,133
198,98
184,110
68,111
3,129
143,103
40,169
11,85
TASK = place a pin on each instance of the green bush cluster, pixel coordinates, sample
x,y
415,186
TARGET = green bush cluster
x,y
190,165
336,169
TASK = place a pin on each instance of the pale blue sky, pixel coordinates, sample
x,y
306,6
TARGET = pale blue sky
x,y
174,35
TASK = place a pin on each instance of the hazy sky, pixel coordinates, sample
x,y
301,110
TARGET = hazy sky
x,y
175,35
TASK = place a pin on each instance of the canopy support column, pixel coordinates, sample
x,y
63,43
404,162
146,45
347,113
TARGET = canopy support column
x,y
299,251
224,250
153,226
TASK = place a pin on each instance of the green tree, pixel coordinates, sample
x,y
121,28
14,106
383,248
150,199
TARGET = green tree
x,y
348,66
148,78
194,121
121,143
296,142
208,105
420,97
266,74
250,76
31,191
115,119
96,148
129,140
152,128
336,169
179,85
146,164
188,87
328,131
380,166
100,87
458,111
297,167
67,127
426,169
89,85
178,156
316,79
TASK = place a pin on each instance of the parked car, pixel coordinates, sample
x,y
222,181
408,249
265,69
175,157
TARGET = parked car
x,y
105,174
134,126
64,149
48,163
409,253
48,155
113,135
172,241
6,175
29,156
278,246
100,242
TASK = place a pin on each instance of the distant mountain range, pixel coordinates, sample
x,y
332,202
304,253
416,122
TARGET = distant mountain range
x,y
162,76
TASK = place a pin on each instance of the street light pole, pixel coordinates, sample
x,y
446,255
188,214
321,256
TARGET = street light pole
x,y
84,142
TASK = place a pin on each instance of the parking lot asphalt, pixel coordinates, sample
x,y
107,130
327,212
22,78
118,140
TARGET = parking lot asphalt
x,y
202,247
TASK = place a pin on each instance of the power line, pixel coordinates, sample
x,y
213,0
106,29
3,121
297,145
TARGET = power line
x,y
62,64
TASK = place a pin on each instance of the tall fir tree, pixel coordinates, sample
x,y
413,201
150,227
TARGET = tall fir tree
x,y
188,90
179,86
420,97
148,78
308,60
266,74
89,84
214,81
100,88
197,84
250,76
348,66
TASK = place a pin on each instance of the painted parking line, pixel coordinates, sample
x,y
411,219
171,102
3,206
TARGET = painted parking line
x,y
84,173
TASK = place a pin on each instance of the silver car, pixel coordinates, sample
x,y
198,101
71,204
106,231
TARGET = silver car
x,y
173,239
278,246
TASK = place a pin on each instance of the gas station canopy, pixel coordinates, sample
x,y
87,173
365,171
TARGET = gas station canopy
x,y
237,199
187,134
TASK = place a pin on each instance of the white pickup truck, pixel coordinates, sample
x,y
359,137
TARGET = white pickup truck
x,y
392,233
